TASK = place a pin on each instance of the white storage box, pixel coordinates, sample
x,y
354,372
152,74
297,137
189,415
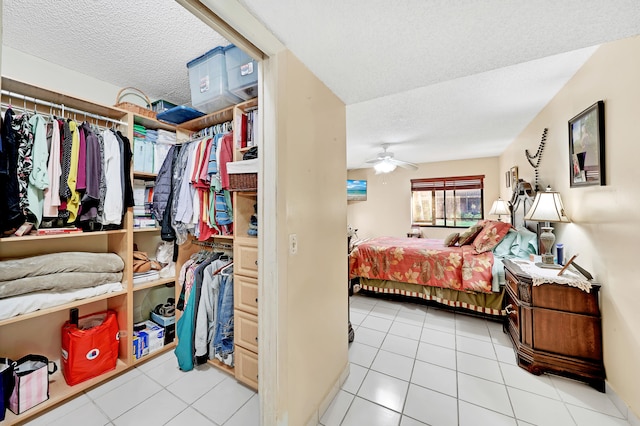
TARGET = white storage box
x,y
208,82
242,73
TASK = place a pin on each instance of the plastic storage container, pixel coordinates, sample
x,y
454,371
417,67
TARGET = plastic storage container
x,y
161,105
208,81
179,114
242,72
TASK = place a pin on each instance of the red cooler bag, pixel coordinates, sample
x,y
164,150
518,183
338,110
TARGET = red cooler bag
x,y
89,348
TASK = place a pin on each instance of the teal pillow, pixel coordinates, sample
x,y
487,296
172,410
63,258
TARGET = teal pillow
x,y
504,246
526,243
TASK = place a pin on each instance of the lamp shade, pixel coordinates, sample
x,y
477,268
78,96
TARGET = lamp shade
x,y
547,207
385,166
500,207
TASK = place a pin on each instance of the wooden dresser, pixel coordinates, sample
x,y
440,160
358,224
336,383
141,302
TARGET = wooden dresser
x,y
555,328
245,302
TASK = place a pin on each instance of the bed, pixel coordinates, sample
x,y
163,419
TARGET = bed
x,y
469,276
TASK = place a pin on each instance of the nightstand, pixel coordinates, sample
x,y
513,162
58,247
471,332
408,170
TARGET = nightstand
x,y
555,328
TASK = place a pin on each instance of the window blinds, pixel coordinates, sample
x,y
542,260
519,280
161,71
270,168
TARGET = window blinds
x,y
449,183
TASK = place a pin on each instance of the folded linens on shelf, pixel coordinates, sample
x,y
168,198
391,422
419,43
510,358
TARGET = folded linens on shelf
x,y
58,271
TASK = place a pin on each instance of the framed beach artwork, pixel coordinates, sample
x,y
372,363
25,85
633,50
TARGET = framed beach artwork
x,y
586,147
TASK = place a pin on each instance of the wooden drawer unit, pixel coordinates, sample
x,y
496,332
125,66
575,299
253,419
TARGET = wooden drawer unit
x,y
245,298
246,330
245,294
555,328
246,366
245,255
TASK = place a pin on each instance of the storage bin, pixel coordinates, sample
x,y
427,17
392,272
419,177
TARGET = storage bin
x,y
179,114
243,182
6,384
208,82
31,382
242,73
90,348
161,105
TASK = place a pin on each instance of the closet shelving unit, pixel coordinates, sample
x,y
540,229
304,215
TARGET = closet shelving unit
x,y
245,250
245,255
147,240
39,332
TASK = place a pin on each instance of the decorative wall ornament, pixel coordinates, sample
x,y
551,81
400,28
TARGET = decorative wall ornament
x,y
537,157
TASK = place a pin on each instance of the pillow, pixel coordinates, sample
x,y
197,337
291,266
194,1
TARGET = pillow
x,y
451,239
525,244
492,233
504,247
467,236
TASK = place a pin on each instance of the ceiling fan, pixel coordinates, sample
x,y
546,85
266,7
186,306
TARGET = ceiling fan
x,y
386,163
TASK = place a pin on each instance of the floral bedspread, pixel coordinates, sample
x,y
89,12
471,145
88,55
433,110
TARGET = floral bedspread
x,y
422,261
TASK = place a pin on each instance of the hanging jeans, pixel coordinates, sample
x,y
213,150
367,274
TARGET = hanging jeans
x,y
223,338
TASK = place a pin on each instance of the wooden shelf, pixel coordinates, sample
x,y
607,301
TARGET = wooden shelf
x,y
208,120
154,229
29,90
222,366
154,354
59,391
251,103
62,307
154,283
152,123
144,175
56,236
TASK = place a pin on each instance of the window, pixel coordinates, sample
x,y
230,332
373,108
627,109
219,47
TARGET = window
x,y
448,202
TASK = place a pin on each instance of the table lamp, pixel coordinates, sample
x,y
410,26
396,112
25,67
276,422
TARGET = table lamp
x,y
500,208
547,207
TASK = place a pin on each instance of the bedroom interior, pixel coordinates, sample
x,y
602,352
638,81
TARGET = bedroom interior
x,y
601,235
602,228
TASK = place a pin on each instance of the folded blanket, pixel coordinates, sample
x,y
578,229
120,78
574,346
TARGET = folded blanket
x,y
54,263
57,282
23,304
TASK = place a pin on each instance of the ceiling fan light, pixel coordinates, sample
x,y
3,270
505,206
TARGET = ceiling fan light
x,y
385,166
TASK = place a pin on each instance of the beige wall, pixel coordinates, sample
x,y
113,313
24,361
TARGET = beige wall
x,y
605,219
30,69
312,284
387,211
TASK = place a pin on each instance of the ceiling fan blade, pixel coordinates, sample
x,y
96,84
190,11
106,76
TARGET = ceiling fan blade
x,y
405,164
373,161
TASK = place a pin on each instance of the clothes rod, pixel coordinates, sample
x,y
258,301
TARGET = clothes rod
x,y
61,107
211,244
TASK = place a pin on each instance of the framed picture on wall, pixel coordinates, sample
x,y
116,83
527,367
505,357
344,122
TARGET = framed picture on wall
x,y
507,179
586,147
514,175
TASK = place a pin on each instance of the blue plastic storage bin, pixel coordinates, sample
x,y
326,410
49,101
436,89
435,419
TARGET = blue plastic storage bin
x,y
179,114
242,72
208,81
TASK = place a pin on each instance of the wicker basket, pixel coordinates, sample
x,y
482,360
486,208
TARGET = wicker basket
x,y
243,181
129,106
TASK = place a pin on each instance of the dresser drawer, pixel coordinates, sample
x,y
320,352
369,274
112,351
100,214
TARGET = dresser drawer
x,y
246,367
245,294
245,257
246,330
512,310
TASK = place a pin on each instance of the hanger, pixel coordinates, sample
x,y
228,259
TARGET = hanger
x,y
225,269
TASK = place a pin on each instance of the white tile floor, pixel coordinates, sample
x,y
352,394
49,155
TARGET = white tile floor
x,y
158,393
411,365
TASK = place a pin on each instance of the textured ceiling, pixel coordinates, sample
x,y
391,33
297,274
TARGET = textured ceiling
x,y
419,72
142,43
439,79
